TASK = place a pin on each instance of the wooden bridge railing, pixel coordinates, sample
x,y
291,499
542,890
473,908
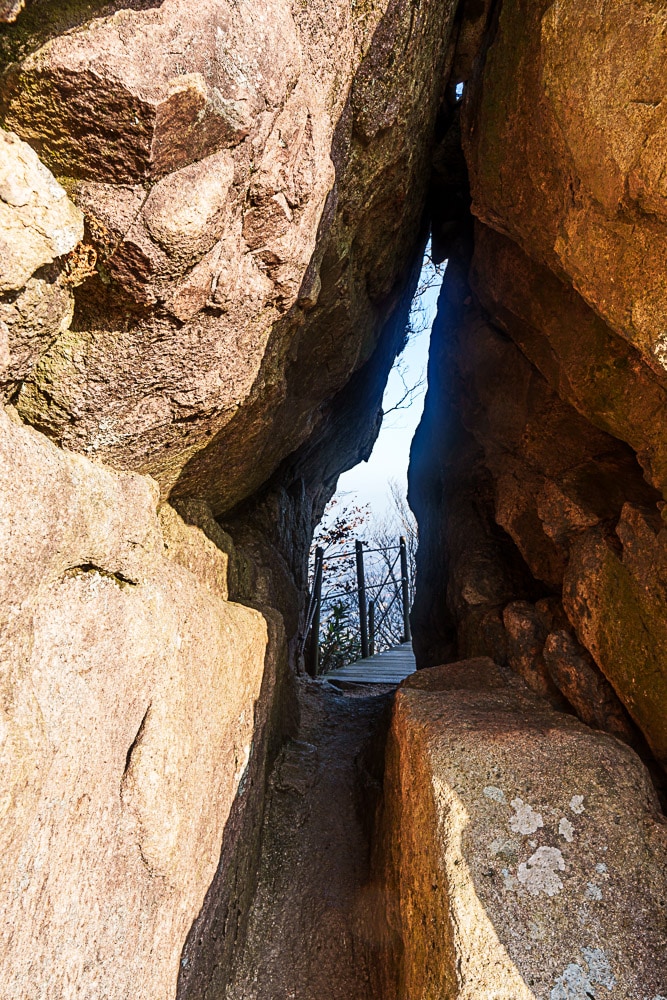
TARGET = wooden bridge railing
x,y
372,613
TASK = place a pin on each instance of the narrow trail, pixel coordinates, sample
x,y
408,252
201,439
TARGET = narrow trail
x,y
309,932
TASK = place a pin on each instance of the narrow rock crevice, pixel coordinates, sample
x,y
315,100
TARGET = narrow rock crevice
x,y
315,915
198,316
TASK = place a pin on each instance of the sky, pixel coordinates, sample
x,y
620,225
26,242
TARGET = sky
x,y
368,482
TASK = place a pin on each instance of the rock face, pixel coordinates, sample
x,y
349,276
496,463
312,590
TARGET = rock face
x,y
538,473
37,220
129,690
521,853
565,143
248,184
210,220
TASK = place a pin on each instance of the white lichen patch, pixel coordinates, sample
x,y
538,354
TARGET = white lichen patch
x,y
497,794
593,891
505,848
577,984
525,819
540,873
566,829
577,804
601,868
509,881
574,984
599,968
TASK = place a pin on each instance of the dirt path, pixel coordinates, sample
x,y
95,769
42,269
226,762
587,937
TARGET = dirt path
x,y
311,922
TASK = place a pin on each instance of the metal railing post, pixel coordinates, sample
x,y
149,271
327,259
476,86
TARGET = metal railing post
x,y
317,590
361,589
405,590
371,628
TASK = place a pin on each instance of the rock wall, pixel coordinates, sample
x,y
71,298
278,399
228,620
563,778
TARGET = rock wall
x,y
211,219
538,471
133,693
249,185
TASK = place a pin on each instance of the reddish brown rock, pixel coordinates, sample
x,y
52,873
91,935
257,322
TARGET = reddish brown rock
x,y
249,183
143,93
563,138
596,371
555,474
614,594
578,677
527,631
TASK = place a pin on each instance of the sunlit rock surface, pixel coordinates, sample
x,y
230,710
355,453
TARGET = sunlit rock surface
x,y
565,143
211,218
38,222
522,854
129,692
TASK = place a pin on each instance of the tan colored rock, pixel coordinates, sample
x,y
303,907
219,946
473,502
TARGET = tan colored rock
x,y
38,222
251,180
128,718
184,212
33,319
614,595
565,140
522,853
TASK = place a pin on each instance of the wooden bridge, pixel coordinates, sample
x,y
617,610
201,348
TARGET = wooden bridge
x,y
389,667
396,660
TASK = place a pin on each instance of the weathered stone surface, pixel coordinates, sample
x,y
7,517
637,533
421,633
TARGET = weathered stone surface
x,y
578,677
521,852
290,153
583,361
527,630
33,319
38,222
555,483
614,594
565,140
128,700
145,92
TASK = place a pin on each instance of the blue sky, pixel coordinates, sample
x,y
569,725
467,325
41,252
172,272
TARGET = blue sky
x,y
368,482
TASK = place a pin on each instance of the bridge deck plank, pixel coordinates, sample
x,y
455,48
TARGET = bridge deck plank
x,y
389,667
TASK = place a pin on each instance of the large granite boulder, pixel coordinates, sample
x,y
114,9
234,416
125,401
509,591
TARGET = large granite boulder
x,y
522,855
565,142
38,222
550,341
250,183
129,714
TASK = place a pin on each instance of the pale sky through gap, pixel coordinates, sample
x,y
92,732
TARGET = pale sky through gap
x,y
368,482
